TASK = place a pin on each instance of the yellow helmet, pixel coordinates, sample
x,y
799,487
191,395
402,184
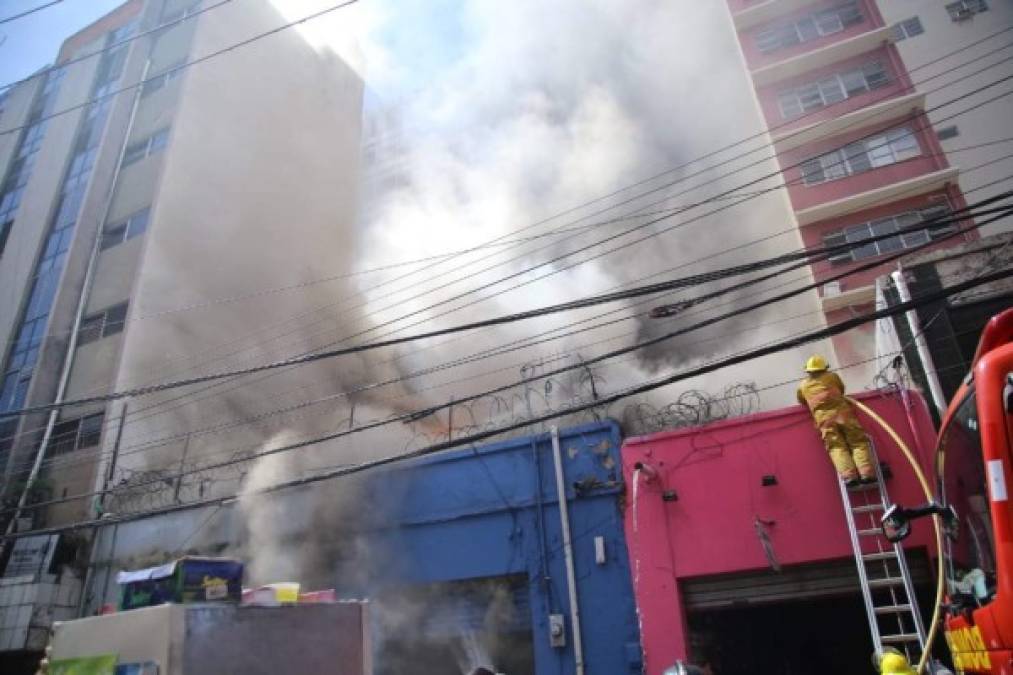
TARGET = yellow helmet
x,y
894,663
816,364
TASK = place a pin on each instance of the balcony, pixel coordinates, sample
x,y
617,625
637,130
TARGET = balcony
x,y
824,56
901,106
765,11
927,182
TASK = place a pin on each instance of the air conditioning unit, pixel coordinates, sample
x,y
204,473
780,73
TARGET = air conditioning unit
x,y
831,289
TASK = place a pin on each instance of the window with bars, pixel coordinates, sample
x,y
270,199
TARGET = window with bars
x,y
965,9
135,152
908,28
117,233
102,324
903,224
76,434
895,145
809,27
833,89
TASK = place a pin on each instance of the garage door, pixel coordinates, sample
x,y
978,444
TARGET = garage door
x,y
799,582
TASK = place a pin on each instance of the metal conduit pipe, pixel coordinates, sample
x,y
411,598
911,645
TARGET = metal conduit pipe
x,y
571,577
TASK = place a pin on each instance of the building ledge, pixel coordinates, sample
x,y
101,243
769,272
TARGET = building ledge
x,y
865,295
788,139
899,190
824,56
765,11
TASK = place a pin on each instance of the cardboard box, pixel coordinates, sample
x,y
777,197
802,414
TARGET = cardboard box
x,y
189,579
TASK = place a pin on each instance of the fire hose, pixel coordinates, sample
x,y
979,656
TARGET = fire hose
x,y
936,522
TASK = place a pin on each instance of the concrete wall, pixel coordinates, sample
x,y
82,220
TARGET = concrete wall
x,y
716,472
257,189
988,123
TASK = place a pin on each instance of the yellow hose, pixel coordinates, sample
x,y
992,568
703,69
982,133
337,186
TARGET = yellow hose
x,y
936,521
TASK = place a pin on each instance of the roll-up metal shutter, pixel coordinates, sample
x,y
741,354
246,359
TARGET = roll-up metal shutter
x,y
801,582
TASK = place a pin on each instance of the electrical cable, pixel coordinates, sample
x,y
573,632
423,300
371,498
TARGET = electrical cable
x,y
495,351
626,350
510,318
614,249
184,66
930,78
788,122
29,12
116,45
697,371
961,50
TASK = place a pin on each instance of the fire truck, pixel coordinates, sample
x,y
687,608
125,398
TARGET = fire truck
x,y
973,475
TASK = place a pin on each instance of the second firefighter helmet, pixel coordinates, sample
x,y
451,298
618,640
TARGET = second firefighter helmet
x,y
816,364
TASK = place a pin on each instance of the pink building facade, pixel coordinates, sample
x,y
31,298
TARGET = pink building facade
x,y
698,511
859,155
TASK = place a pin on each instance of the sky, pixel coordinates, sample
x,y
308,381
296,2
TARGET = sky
x,y
32,42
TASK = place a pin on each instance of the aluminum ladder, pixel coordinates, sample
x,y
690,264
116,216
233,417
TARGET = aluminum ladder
x,y
883,573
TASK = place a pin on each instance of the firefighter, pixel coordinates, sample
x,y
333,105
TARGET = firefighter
x,y
822,392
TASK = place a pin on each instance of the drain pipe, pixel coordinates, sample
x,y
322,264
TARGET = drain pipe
x,y
922,347
571,577
68,358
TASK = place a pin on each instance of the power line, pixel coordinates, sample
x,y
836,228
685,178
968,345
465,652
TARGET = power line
x,y
520,344
792,121
618,352
201,469
607,323
961,49
184,66
598,243
116,45
15,17
510,318
697,371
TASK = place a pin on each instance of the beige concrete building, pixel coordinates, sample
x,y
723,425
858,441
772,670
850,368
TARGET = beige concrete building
x,y
977,34
145,232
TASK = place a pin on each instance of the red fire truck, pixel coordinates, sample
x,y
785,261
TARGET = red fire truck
x,y
974,477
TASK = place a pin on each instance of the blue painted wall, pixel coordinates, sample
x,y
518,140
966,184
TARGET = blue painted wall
x,y
493,511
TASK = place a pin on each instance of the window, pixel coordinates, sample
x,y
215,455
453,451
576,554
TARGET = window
x,y
809,27
907,28
153,84
180,14
971,560
947,133
84,432
901,224
5,231
103,324
833,89
118,233
895,145
965,9
135,152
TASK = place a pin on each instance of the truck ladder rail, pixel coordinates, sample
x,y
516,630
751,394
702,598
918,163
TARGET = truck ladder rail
x,y
883,573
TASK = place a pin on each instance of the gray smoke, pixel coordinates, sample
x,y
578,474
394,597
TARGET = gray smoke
x,y
503,115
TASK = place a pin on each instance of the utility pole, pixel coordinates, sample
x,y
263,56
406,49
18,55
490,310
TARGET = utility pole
x,y
921,345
